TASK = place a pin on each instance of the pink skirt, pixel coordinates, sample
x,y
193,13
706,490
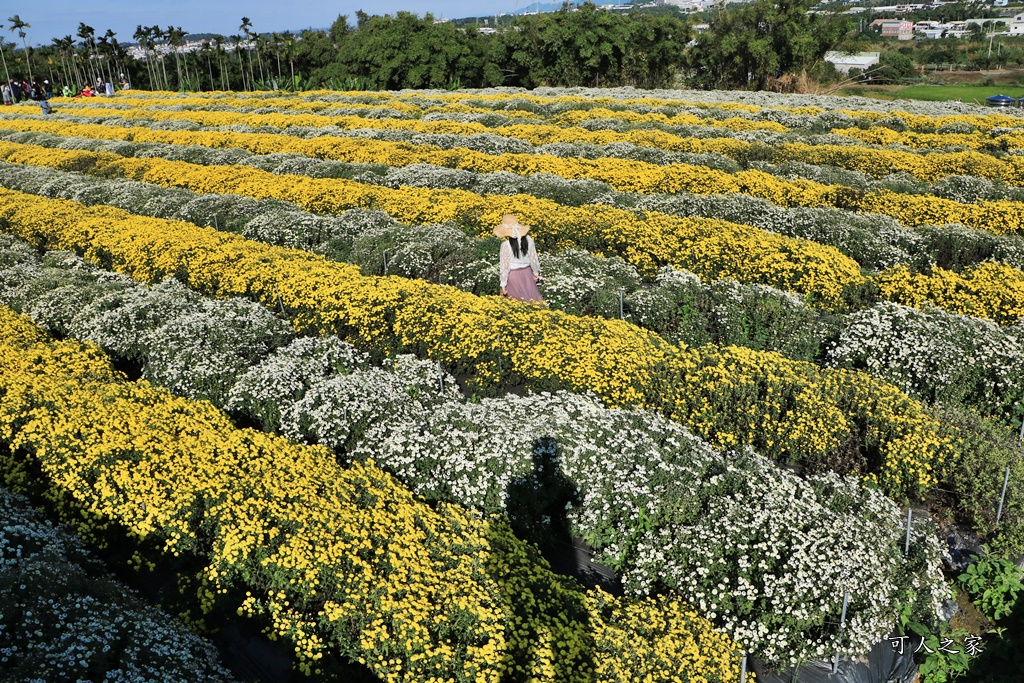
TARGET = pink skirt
x,y
521,285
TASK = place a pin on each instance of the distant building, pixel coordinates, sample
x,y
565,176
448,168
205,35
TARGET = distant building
x,y
930,29
988,24
957,29
844,62
901,9
690,5
900,29
1017,25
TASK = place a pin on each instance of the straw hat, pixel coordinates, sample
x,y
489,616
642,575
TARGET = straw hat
x,y
511,227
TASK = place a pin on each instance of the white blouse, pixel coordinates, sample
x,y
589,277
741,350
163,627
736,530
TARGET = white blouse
x,y
509,261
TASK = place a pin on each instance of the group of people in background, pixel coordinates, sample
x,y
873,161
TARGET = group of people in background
x,y
15,91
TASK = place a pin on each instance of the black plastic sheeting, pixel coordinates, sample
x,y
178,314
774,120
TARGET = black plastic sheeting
x,y
883,664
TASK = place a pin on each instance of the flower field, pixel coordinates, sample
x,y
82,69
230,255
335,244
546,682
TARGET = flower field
x,y
51,584
263,331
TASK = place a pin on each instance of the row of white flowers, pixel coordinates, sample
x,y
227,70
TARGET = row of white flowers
x,y
660,505
64,618
499,140
677,304
935,356
876,242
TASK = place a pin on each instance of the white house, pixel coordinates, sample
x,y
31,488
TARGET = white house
x,y
844,62
1017,25
931,29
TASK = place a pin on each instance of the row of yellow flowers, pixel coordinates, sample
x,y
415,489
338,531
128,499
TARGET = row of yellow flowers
x,y
713,249
625,175
989,290
314,100
928,167
914,121
882,136
429,105
732,396
875,162
655,178
342,559
535,133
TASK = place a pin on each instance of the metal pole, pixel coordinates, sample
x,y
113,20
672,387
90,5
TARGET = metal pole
x,y
743,669
280,302
1002,496
620,304
906,544
385,261
216,226
842,625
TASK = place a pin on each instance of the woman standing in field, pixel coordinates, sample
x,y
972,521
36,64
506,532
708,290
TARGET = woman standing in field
x,y
520,270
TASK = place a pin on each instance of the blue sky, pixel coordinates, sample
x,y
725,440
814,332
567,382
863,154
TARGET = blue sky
x,y
57,18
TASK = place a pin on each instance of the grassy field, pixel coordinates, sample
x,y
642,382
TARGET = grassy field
x,y
936,93
967,93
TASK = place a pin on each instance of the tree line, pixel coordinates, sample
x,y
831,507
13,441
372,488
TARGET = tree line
x,y
746,46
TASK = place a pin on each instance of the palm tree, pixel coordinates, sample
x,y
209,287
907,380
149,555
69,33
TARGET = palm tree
x,y
180,34
87,33
18,25
58,47
221,53
275,38
157,34
106,48
4,57
67,46
141,36
176,38
237,40
289,45
103,50
205,51
261,43
244,28
117,52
